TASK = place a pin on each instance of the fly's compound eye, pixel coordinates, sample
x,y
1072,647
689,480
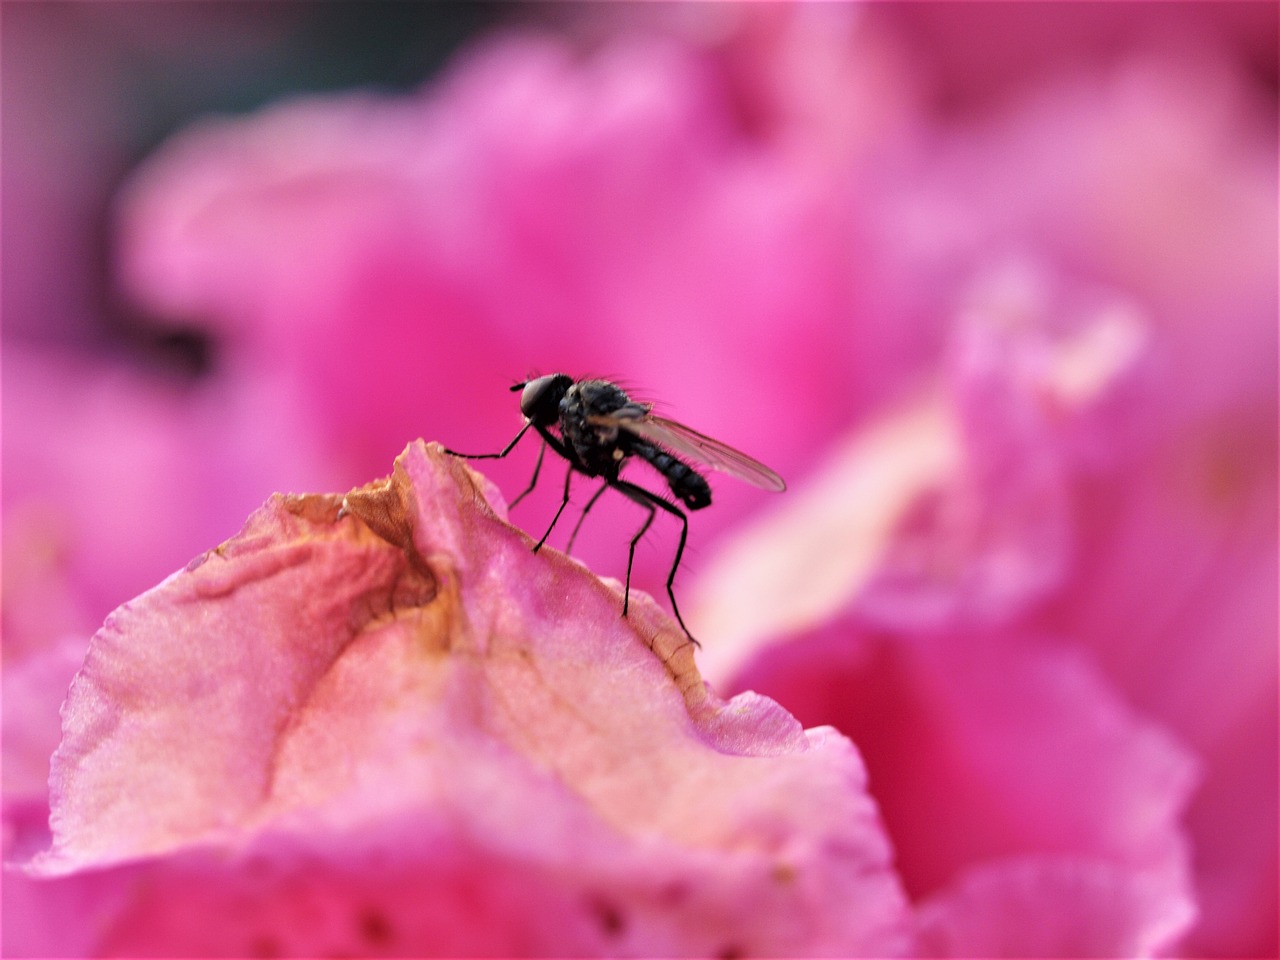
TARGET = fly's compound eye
x,y
540,400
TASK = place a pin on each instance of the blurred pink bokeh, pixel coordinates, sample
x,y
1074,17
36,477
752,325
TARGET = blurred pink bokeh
x,y
1013,269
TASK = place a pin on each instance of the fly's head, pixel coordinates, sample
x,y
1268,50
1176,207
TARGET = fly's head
x,y
540,398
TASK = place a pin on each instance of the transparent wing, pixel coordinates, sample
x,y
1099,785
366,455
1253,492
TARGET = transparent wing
x,y
687,442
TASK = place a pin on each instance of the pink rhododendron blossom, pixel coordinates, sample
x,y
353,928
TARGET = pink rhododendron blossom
x,y
386,713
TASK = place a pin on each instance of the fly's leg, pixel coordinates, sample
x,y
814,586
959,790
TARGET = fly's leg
x,y
533,481
537,467
585,510
563,503
548,440
650,501
631,556
496,456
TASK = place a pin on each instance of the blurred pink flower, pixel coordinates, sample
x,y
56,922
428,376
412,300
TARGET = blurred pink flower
x,y
1078,479
1146,532
1159,180
1032,811
387,715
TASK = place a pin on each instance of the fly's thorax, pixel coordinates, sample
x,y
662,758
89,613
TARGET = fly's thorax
x,y
596,445
595,397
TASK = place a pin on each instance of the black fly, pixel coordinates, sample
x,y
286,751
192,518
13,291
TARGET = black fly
x,y
600,428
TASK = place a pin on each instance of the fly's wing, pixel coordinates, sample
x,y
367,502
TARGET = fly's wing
x,y
689,443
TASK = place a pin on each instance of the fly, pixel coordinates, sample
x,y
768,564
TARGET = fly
x,y
599,429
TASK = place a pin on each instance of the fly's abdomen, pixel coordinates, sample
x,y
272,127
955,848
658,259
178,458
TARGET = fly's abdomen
x,y
689,486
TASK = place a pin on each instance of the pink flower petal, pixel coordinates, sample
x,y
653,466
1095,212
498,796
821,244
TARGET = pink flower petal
x,y
982,749
1032,359
342,708
951,506
34,686
1052,907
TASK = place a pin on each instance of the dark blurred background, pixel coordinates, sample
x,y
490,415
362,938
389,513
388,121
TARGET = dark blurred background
x,y
90,89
